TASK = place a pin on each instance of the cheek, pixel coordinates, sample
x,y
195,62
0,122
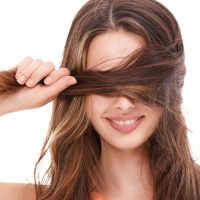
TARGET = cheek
x,y
96,105
156,116
153,116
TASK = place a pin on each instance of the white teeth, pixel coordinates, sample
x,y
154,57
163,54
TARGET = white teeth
x,y
124,122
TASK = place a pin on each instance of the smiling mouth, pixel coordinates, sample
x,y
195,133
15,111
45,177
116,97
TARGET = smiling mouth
x,y
125,126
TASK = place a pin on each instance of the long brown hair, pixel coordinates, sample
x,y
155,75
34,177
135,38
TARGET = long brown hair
x,y
153,74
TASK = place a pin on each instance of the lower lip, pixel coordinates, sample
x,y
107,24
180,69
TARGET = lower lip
x,y
127,128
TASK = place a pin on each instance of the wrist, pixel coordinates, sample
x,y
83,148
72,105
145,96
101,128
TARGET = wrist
x,y
5,106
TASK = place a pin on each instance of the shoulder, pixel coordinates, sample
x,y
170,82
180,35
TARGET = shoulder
x,y
17,191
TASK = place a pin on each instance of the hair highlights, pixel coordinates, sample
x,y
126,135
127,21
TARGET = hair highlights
x,y
153,75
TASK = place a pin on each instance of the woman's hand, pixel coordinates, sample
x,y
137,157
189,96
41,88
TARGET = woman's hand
x,y
29,73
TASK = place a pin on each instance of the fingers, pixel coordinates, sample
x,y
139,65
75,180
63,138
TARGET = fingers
x,y
38,72
51,91
55,75
25,68
31,72
22,65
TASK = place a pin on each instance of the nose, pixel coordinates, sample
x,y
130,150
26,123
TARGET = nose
x,y
124,104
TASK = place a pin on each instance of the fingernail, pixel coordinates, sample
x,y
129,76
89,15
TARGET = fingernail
x,y
72,80
21,79
30,82
48,80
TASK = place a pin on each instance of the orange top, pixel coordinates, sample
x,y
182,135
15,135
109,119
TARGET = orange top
x,y
97,196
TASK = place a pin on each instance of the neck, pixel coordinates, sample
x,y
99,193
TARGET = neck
x,y
127,173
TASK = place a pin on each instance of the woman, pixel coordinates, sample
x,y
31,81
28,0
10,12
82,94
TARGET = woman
x,y
117,131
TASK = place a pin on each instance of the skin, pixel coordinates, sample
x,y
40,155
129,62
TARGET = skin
x,y
123,155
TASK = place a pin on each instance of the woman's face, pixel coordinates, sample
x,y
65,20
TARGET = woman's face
x,y
120,123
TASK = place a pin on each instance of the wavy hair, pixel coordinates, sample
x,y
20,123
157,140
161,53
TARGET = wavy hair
x,y
154,75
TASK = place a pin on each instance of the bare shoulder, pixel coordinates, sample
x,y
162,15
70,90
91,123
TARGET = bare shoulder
x,y
17,191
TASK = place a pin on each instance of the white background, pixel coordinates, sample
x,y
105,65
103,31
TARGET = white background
x,y
39,29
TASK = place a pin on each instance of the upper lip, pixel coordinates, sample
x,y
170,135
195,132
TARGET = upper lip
x,y
125,117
